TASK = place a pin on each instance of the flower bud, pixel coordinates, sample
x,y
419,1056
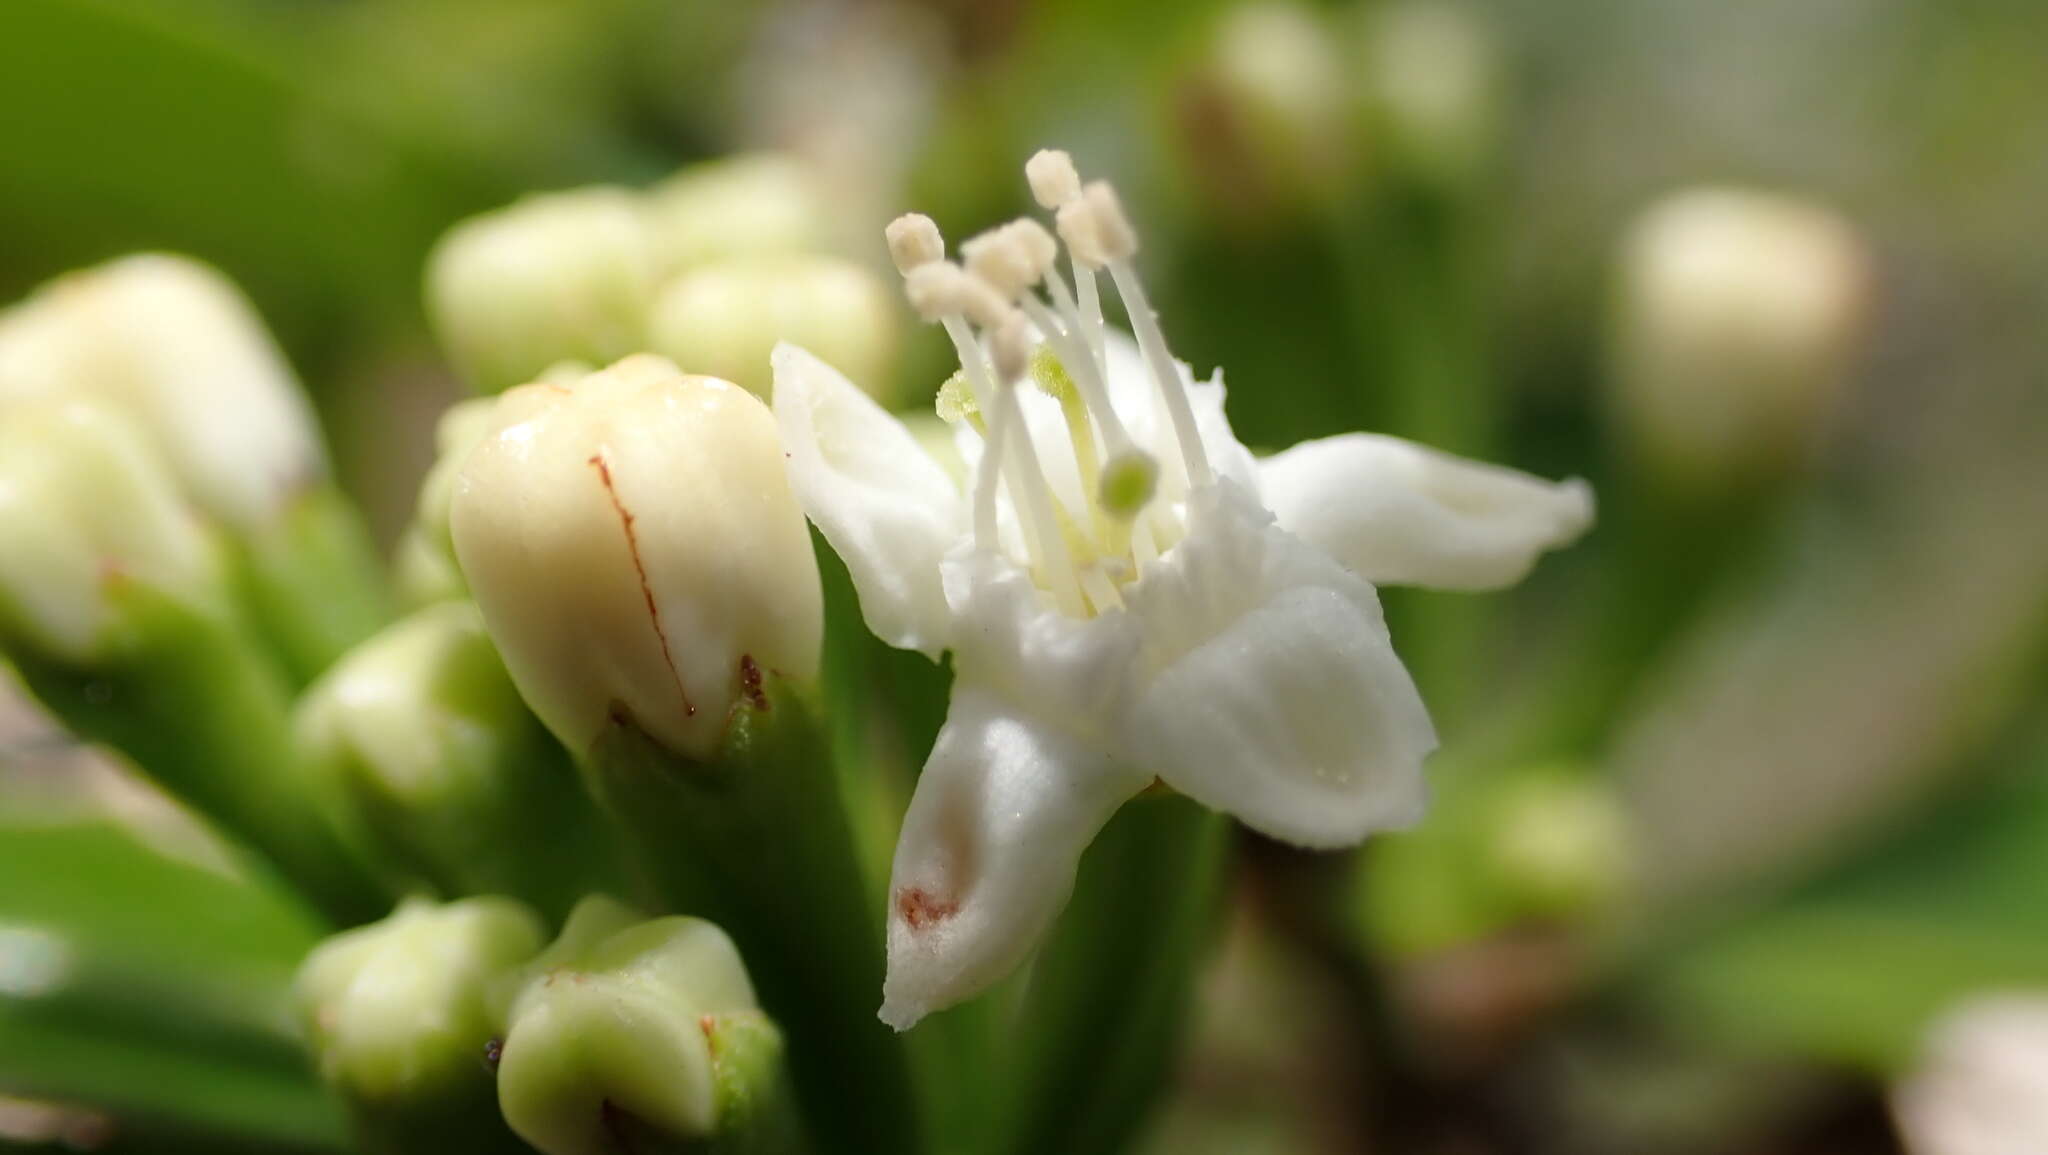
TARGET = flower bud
x,y
428,754
1431,81
85,503
426,560
399,1020
1736,321
635,548
723,319
1560,845
560,276
738,206
1265,117
649,1029
1981,1085
175,345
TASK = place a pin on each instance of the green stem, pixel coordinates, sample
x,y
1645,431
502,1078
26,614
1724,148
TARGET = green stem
x,y
185,696
757,840
313,581
1414,276
1106,1002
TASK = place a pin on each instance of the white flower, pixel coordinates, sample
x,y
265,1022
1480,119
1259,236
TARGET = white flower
x,y
1121,603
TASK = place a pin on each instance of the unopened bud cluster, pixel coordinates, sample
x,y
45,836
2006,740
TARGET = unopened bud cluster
x,y
710,269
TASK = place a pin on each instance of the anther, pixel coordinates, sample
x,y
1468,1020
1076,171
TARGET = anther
x,y
914,241
1053,178
1011,258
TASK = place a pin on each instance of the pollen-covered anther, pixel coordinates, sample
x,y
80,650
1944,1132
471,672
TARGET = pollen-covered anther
x,y
914,242
1113,231
941,289
1011,258
1053,178
1009,347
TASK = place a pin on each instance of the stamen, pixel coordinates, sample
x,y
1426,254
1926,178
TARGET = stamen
x,y
914,241
1010,346
1099,220
1052,379
1100,589
1053,178
1087,322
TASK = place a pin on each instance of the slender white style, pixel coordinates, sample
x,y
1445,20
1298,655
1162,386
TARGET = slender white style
x,y
1167,626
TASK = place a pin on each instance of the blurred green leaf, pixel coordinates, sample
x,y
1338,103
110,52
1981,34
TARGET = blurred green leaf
x,y
1850,968
152,987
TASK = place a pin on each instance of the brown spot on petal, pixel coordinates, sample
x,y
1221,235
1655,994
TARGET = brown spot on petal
x,y
750,682
920,907
604,475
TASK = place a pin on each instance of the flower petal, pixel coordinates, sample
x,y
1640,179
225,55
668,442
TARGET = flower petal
x,y
1012,640
888,509
1271,688
1397,512
986,860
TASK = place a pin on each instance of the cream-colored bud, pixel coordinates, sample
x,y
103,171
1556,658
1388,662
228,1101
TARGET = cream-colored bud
x,y
635,547
1269,126
1054,180
85,502
746,205
1738,315
559,276
1431,88
1980,1084
625,1023
396,1011
723,319
914,240
174,344
426,567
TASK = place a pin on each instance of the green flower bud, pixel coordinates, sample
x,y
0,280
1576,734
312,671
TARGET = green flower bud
x,y
1560,845
172,343
399,1020
737,206
431,757
554,277
1737,317
637,552
642,1035
724,318
86,505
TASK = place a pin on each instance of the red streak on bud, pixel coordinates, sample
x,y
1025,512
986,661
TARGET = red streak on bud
x,y
604,475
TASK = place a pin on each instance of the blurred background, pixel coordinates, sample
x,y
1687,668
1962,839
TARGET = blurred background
x,y
1741,800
